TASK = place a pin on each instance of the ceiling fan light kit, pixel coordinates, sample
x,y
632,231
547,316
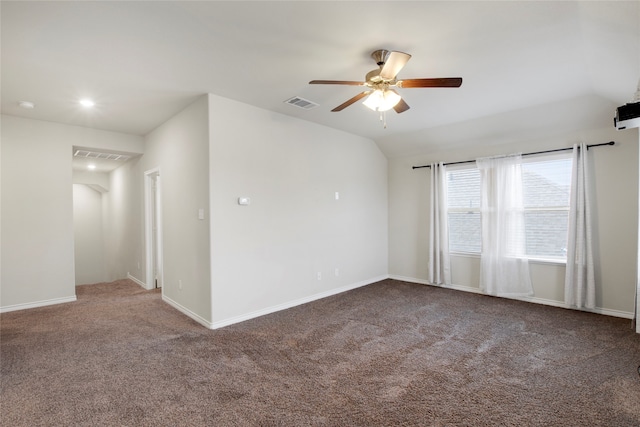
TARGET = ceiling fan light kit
x,y
380,95
382,100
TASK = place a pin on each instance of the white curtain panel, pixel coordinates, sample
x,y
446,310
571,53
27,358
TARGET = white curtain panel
x,y
439,271
504,268
579,286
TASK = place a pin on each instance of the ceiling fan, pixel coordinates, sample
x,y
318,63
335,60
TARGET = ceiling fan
x,y
379,83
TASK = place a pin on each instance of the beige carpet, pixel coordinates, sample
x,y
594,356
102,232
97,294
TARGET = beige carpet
x,y
389,354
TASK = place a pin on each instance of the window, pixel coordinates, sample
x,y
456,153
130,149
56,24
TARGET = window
x,y
463,210
547,188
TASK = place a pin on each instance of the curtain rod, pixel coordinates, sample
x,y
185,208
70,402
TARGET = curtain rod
x,y
525,154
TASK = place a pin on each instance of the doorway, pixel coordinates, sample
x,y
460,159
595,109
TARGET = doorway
x,y
153,228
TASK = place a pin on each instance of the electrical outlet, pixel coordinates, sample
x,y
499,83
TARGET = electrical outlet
x,y
337,271
138,265
180,284
319,275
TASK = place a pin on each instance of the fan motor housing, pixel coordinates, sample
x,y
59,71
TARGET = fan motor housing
x,y
373,76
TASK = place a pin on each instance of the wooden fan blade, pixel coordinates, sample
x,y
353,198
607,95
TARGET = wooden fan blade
x,y
351,101
335,82
401,106
441,82
393,65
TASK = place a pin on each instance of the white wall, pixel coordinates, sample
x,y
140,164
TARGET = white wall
x,y
180,149
37,207
123,235
638,260
615,214
88,237
267,255
99,181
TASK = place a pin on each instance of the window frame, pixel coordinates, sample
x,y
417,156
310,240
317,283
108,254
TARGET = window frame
x,y
537,158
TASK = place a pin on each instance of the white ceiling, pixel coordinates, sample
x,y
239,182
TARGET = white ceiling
x,y
525,62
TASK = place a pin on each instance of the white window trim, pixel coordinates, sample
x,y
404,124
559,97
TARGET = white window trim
x,y
526,159
536,260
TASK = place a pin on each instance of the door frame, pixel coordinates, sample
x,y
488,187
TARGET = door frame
x,y
153,206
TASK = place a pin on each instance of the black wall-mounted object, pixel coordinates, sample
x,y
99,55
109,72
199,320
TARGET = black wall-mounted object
x,y
627,116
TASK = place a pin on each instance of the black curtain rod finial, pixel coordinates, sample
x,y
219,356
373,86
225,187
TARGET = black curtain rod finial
x,y
604,143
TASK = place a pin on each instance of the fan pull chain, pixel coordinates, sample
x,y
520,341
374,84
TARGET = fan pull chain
x,y
383,119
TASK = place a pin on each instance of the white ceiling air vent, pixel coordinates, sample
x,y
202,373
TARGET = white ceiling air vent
x,y
103,156
305,104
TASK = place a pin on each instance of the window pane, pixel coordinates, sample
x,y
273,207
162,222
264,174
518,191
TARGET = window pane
x,y
546,233
547,189
463,192
547,183
465,232
463,188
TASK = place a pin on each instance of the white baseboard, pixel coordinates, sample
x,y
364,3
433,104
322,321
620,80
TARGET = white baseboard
x,y
535,300
294,303
138,281
187,312
424,282
597,310
37,304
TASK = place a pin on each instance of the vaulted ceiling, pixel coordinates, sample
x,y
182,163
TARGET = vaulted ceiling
x,y
526,65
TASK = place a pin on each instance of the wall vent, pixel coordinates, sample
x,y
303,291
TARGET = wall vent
x,y
305,104
102,156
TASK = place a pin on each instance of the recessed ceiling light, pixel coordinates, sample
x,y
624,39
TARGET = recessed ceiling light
x,y
91,166
87,103
27,104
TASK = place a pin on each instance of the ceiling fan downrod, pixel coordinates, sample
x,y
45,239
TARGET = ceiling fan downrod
x,y
380,56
